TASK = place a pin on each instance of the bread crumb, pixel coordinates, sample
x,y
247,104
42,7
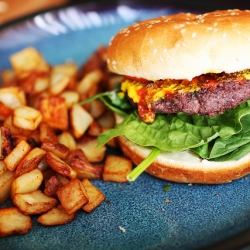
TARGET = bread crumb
x,y
122,229
167,201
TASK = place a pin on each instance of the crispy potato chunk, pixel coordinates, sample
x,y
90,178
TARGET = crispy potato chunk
x,y
80,120
57,149
92,153
67,139
27,182
8,78
3,167
12,96
116,168
72,196
35,202
71,97
95,129
6,142
12,221
26,117
6,180
16,155
46,131
60,166
89,82
56,216
5,111
52,186
107,119
54,112
30,161
8,123
61,77
82,166
26,61
96,197
96,108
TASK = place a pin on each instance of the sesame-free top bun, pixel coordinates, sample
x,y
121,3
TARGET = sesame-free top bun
x,y
182,46
185,166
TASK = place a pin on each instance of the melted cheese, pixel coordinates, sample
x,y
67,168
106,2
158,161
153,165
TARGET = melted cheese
x,y
131,88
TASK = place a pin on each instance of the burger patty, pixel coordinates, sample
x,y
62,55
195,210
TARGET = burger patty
x,y
208,101
206,95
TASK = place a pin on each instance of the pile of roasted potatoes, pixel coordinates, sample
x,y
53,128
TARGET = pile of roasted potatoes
x,y
48,153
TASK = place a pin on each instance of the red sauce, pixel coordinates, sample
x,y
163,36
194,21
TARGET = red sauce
x,y
133,78
145,113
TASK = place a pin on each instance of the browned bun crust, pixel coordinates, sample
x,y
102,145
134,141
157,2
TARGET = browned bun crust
x,y
182,46
186,167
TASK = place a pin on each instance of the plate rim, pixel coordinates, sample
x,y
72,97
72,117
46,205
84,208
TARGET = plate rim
x,y
237,241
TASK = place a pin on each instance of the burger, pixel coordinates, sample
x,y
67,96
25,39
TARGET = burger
x,y
187,85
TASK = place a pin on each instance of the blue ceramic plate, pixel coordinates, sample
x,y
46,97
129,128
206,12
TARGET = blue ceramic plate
x,y
196,216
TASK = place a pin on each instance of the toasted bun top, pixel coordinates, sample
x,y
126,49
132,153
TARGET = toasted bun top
x,y
182,46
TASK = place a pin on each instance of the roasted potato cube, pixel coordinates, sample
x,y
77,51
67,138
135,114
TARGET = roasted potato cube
x,y
61,76
107,119
60,166
67,139
27,182
72,196
95,129
8,78
52,186
93,153
96,197
62,179
56,216
71,97
12,97
33,100
12,221
3,167
35,202
16,155
6,142
41,84
34,83
116,168
80,120
26,61
30,161
57,149
34,138
54,111
26,117
97,108
5,111
82,166
57,87
46,131
6,180
89,81
8,123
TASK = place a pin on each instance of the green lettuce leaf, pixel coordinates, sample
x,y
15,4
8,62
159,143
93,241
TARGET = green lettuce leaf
x,y
178,132
233,147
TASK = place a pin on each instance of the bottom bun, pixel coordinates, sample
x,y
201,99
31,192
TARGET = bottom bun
x,y
186,166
